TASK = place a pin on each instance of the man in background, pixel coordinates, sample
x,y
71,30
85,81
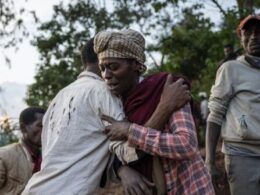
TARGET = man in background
x,y
203,107
235,113
19,161
230,53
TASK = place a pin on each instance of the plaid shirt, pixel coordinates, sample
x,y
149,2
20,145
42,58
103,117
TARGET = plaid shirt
x,y
184,169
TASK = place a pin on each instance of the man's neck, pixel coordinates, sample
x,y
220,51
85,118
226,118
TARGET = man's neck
x,y
132,89
32,147
94,69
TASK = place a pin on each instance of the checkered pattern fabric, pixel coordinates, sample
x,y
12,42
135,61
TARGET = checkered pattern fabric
x,y
127,44
184,170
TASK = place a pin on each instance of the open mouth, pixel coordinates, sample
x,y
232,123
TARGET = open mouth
x,y
113,86
255,47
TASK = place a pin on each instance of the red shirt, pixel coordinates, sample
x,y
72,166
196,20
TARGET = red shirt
x,y
36,158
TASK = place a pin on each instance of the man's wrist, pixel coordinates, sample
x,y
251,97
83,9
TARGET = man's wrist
x,y
165,108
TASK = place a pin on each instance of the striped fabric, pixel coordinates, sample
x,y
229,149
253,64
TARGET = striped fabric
x,y
184,170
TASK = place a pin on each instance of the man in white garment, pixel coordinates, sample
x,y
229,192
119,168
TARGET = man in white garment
x,y
74,147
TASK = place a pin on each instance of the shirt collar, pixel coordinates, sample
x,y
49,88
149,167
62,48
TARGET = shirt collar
x,y
253,61
29,150
86,73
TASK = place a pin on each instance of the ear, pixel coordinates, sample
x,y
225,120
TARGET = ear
x,y
242,43
136,66
23,127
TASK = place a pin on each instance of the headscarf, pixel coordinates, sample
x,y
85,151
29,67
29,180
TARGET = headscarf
x,y
126,44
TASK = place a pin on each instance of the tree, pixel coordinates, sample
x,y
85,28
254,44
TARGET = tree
x,y
62,37
12,27
59,46
181,37
7,129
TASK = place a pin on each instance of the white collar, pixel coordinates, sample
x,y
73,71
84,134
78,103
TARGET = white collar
x,y
86,73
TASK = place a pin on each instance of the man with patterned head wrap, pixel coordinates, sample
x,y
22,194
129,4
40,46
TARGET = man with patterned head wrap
x,y
75,149
168,139
126,44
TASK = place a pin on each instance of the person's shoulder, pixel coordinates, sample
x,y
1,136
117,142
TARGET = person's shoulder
x,y
10,149
91,82
230,63
238,61
231,66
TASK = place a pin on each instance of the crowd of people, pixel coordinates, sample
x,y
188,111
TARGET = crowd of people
x,y
114,125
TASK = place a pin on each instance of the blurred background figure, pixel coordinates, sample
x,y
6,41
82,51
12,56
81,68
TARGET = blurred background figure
x,y
201,117
230,53
20,160
203,107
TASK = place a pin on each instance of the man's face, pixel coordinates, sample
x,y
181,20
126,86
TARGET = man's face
x,y
250,38
32,132
228,51
119,74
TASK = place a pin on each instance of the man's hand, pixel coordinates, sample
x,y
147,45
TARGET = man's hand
x,y
212,135
215,174
175,94
134,183
118,130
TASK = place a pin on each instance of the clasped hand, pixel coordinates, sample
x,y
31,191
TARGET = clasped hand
x,y
117,130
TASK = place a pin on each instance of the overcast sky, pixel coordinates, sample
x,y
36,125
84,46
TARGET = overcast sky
x,y
25,59
23,62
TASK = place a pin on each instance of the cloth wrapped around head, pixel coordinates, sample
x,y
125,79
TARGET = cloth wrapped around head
x,y
126,44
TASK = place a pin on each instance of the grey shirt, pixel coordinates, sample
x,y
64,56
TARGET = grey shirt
x,y
235,105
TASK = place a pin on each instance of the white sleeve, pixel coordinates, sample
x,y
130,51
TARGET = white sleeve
x,y
112,106
124,153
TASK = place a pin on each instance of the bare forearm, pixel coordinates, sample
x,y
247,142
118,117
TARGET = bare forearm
x,y
179,143
159,118
212,136
174,96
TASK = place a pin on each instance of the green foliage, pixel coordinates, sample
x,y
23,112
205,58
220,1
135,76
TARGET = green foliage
x,y
49,81
12,27
11,22
7,128
187,48
59,46
180,34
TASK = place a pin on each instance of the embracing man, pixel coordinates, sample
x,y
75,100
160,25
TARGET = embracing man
x,y
171,158
75,150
